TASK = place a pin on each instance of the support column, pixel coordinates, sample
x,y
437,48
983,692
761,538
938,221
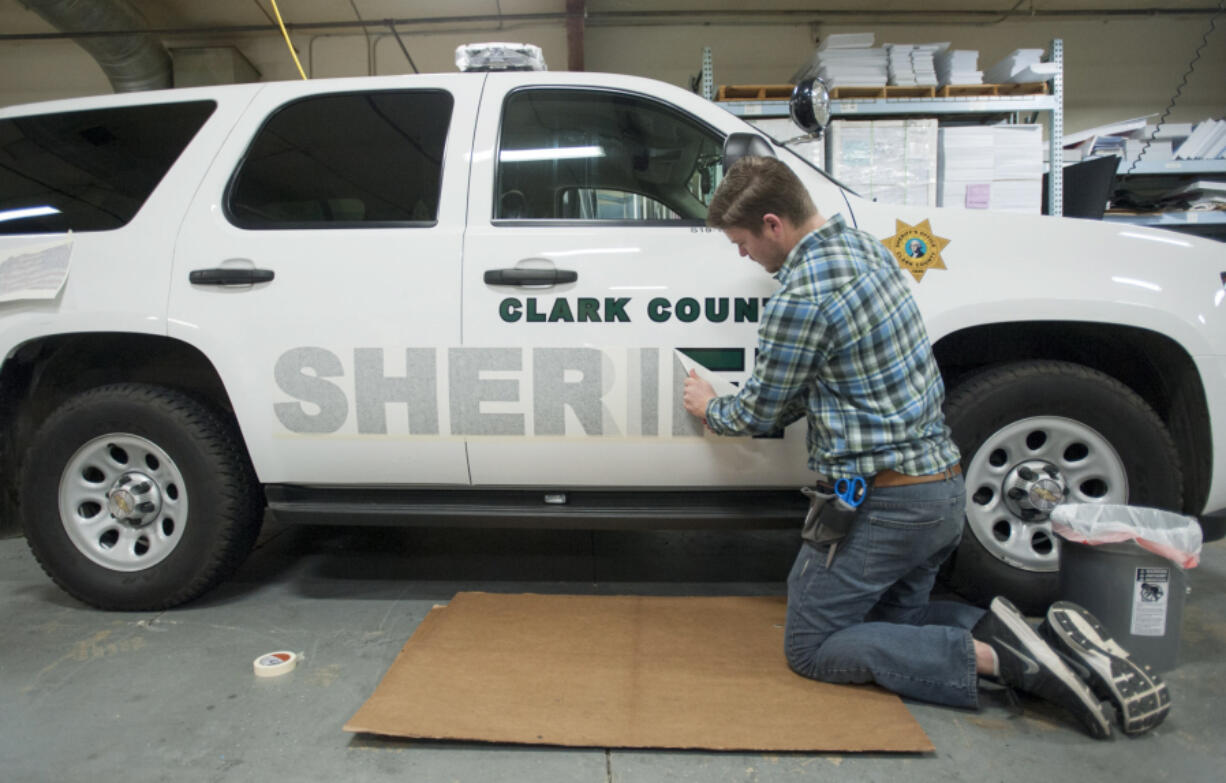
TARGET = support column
x,y
576,10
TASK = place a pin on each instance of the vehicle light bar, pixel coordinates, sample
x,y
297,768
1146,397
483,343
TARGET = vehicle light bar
x,y
499,57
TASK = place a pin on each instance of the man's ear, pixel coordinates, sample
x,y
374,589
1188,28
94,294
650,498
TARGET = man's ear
x,y
772,224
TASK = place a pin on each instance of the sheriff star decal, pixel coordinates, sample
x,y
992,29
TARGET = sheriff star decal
x,y
916,248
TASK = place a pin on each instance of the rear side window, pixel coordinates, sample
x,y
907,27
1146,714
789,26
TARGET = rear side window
x,y
89,170
350,160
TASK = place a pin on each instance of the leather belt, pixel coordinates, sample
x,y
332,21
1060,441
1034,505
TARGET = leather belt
x,y
892,478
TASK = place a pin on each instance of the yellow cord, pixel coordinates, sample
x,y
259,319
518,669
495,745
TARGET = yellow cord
x,y
284,32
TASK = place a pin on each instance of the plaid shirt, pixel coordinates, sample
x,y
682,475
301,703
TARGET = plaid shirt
x,y
843,343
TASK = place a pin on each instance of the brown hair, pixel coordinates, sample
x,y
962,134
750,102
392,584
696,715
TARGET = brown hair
x,y
755,186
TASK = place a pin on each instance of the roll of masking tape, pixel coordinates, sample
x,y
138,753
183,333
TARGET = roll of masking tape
x,y
274,664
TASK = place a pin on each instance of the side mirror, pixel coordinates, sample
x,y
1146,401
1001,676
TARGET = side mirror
x,y
742,145
810,106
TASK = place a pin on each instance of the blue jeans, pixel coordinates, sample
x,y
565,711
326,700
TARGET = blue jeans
x,y
868,617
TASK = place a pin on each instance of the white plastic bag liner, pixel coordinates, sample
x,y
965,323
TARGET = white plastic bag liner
x,y
1173,536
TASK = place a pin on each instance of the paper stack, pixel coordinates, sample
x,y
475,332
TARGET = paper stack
x,y
847,60
1017,176
1111,139
912,64
923,62
920,176
958,66
998,167
1023,65
1204,195
849,154
890,161
966,161
1208,140
1128,138
899,65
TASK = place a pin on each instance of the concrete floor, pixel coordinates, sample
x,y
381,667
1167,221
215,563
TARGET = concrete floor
x,y
95,696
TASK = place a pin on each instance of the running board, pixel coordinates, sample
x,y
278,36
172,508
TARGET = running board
x,y
539,508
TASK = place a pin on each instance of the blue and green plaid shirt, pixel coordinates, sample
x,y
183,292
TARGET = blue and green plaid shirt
x,y
844,344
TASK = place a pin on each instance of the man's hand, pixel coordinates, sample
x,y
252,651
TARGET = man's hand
x,y
696,396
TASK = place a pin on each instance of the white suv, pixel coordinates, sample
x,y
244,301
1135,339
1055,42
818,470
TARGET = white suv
x,y
461,298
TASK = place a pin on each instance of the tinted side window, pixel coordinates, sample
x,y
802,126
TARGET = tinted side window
x,y
89,170
345,161
583,155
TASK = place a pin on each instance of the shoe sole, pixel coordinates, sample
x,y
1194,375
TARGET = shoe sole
x,y
1100,724
1139,694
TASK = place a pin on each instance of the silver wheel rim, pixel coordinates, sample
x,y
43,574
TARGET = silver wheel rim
x,y
1012,478
123,502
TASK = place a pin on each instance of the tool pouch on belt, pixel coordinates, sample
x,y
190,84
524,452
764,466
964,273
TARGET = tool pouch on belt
x,y
828,520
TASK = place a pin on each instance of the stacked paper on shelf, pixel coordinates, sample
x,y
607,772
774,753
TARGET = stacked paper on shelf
x,y
848,59
1207,140
890,161
991,167
1171,130
1017,181
966,160
899,66
1128,138
1110,139
912,64
923,62
1204,196
847,41
1023,65
1158,150
958,66
920,175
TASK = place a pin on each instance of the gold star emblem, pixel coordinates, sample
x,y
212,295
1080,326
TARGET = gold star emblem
x,y
916,248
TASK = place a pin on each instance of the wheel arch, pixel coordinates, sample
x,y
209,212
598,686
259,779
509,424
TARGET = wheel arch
x,y
1153,365
41,374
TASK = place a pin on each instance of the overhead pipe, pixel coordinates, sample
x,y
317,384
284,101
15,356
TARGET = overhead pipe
x,y
111,31
764,17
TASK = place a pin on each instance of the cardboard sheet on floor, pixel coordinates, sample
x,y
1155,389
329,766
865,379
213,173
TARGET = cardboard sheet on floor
x,y
623,672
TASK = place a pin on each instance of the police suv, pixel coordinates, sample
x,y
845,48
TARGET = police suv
x,y
472,298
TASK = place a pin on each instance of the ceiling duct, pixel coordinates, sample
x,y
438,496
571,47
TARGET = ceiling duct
x,y
133,62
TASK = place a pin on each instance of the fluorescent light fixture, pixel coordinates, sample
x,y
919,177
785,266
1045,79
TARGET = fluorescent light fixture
x,y
1138,283
1155,238
551,153
27,212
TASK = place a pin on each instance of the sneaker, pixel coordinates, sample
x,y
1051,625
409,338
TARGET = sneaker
x,y
1029,664
1139,694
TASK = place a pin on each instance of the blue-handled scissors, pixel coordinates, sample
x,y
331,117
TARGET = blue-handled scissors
x,y
851,490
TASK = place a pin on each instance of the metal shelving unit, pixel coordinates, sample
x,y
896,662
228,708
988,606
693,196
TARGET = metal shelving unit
x,y
1051,105
1178,167
1171,219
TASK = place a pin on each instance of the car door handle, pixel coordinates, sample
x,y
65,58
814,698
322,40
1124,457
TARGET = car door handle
x,y
230,276
518,276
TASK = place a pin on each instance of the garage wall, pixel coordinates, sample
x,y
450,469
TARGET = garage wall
x,y
1113,69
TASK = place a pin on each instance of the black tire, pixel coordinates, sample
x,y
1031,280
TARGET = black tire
x,y
146,441
1104,442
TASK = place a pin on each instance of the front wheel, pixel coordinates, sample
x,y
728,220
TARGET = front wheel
x,y
138,497
1035,434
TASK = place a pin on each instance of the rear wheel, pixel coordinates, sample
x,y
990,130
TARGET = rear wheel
x,y
1035,434
138,497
